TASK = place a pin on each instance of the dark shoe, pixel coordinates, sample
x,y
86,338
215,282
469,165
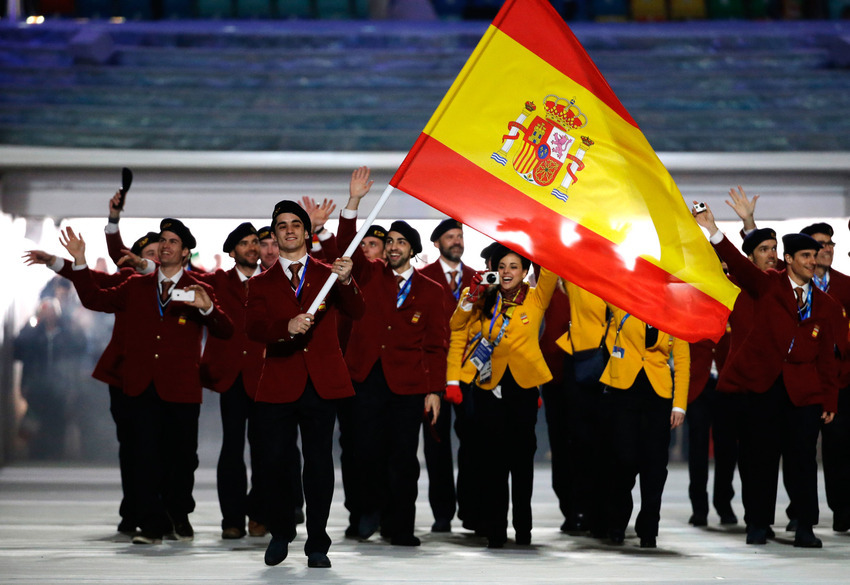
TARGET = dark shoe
x,y
299,516
756,536
369,524
256,529
182,529
276,551
648,542
232,533
617,536
792,525
147,538
496,541
441,526
408,540
352,532
698,519
523,538
728,519
841,521
804,537
318,560
127,528
575,523
770,533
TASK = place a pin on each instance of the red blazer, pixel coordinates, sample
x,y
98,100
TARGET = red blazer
x,y
839,289
809,369
225,359
434,271
291,360
411,341
556,322
108,367
163,348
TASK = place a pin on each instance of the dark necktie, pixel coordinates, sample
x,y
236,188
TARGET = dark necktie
x,y
801,302
293,270
453,280
399,280
165,286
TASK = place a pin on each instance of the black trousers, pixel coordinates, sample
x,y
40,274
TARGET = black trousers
x,y
275,434
572,419
774,420
836,457
165,458
468,461
234,498
637,426
122,414
387,431
346,417
505,428
713,416
439,462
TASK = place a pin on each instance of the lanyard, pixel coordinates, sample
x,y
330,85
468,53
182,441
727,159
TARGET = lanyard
x,y
159,304
401,296
301,280
806,311
458,281
620,326
821,283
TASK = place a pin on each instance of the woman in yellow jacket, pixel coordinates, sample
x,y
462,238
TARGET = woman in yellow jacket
x,y
642,401
494,346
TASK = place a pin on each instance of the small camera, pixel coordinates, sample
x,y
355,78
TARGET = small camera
x,y
179,294
699,207
490,278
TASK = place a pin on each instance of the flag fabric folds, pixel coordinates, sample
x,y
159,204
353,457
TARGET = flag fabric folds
x,y
531,147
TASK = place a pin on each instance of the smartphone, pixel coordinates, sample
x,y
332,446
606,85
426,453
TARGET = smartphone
x,y
179,294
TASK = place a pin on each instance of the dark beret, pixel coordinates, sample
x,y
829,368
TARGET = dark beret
x,y
793,243
169,224
488,251
288,206
443,227
376,231
265,232
754,238
818,228
143,242
410,234
242,230
500,251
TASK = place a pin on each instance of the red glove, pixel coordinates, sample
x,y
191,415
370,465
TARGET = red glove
x,y
453,394
539,403
476,288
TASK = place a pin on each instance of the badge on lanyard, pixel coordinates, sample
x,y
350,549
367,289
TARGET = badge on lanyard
x,y
618,352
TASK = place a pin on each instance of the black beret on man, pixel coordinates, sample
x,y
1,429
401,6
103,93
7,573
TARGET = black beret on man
x,y
289,206
818,228
443,227
376,231
756,237
143,242
410,234
169,224
264,233
793,243
242,230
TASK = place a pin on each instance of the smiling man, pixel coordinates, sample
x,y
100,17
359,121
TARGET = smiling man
x,y
396,356
788,367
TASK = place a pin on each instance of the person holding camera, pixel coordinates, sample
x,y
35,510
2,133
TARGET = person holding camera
x,y
495,347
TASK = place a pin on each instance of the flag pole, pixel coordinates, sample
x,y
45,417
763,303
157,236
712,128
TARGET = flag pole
x,y
323,292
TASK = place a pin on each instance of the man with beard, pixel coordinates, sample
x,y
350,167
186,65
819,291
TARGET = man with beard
x,y
269,253
454,276
232,368
162,350
397,359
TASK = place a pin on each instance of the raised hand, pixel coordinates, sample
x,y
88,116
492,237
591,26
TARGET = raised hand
x,y
319,214
33,257
705,219
360,183
74,243
744,208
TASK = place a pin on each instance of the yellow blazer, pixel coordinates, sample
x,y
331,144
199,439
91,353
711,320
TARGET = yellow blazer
x,y
621,372
587,320
519,347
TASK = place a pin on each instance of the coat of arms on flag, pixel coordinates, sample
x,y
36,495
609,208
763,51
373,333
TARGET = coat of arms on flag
x,y
544,148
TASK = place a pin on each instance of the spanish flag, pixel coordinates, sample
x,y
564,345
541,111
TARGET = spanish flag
x,y
531,147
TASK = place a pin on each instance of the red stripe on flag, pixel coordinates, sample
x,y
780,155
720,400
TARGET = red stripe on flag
x,y
538,27
496,209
